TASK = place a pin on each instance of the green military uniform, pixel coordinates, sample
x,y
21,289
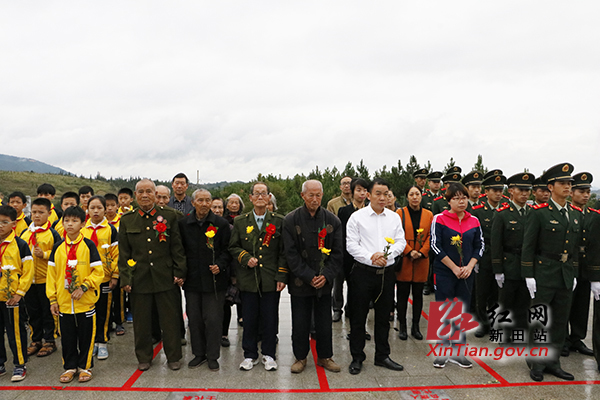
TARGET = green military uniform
x,y
550,256
428,195
421,173
492,172
158,259
486,294
472,178
508,227
593,274
440,203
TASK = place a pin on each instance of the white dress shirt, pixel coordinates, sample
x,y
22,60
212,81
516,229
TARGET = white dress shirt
x,y
366,232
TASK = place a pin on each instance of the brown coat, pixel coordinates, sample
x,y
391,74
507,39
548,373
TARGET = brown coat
x,y
415,270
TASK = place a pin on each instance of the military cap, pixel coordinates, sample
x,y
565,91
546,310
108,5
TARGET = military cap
x,y
559,172
540,183
583,180
523,180
451,177
495,182
492,172
435,176
454,170
421,173
472,178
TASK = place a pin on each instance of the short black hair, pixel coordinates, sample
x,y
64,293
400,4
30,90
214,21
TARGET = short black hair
x,y
358,181
181,175
42,201
111,196
454,189
19,195
46,188
258,183
125,190
101,199
378,181
9,212
86,189
69,195
76,212
410,187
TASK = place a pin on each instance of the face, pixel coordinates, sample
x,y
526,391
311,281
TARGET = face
x,y
378,197
560,189
458,203
519,195
72,226
233,205
6,226
391,200
474,192
494,195
39,214
271,206
414,197
435,185
420,181
180,186
360,193
68,202
162,197
84,198
17,204
46,196
96,211
125,200
202,202
260,196
111,208
217,207
541,195
345,185
145,194
312,196
581,196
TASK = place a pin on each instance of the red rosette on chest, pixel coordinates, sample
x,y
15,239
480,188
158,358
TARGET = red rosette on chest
x,y
270,231
321,238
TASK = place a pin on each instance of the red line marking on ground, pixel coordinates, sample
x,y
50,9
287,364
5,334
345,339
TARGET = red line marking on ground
x,y
422,312
323,383
490,370
133,378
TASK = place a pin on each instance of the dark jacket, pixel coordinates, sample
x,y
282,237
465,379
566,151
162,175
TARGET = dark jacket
x,y
199,256
300,236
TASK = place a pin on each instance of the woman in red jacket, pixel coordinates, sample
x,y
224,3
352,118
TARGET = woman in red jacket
x,y
416,222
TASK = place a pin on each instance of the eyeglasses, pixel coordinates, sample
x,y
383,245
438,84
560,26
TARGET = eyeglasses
x,y
346,183
262,194
4,223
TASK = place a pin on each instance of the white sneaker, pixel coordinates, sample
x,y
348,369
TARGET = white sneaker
x,y
102,352
248,363
270,364
95,352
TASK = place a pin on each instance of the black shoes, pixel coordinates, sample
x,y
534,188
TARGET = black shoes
x,y
537,376
481,332
560,373
337,316
389,364
197,361
355,367
416,332
565,352
582,348
402,334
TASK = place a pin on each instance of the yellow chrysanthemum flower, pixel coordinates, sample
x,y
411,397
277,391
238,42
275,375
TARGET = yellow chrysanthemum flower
x,y
455,239
325,251
249,229
210,234
389,240
420,230
131,262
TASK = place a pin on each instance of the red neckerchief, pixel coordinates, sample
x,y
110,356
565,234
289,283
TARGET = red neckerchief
x,y
33,238
71,251
94,237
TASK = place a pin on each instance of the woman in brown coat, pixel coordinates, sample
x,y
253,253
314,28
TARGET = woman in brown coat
x,y
416,222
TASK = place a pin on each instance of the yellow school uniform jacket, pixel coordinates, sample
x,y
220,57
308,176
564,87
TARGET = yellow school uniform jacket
x,y
88,272
116,221
108,247
22,224
45,238
53,216
58,227
17,267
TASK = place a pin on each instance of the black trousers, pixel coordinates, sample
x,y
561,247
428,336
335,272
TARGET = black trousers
x,y
77,338
117,313
579,315
486,294
366,286
102,310
596,332
167,304
260,311
205,319
402,292
302,312
40,316
156,331
514,297
13,320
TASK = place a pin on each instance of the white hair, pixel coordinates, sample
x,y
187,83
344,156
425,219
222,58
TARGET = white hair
x,y
311,181
144,181
164,187
235,196
198,191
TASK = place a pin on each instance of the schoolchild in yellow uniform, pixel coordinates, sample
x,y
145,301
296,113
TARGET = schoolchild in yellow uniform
x,y
125,200
47,191
18,201
40,238
112,210
75,273
17,270
117,309
68,199
104,236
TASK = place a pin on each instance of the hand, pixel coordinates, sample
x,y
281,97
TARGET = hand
x,y
127,288
253,262
76,295
318,282
113,283
178,281
531,286
415,254
465,272
14,300
596,290
54,309
499,280
376,257
38,252
280,286
574,283
457,271
214,269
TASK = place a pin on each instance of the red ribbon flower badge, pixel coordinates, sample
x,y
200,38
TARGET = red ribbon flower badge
x,y
160,226
270,229
322,235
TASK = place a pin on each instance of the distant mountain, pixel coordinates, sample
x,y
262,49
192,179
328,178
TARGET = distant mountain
x,y
11,163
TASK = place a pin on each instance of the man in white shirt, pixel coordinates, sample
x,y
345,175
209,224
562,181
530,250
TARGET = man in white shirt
x,y
374,237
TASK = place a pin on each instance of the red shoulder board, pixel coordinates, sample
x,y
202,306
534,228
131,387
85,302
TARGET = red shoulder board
x,y
594,210
478,207
443,189
437,198
506,197
482,195
538,206
505,206
576,208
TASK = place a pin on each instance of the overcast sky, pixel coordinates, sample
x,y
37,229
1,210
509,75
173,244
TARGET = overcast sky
x,y
237,88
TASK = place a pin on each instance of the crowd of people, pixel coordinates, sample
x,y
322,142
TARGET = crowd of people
x,y
81,271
